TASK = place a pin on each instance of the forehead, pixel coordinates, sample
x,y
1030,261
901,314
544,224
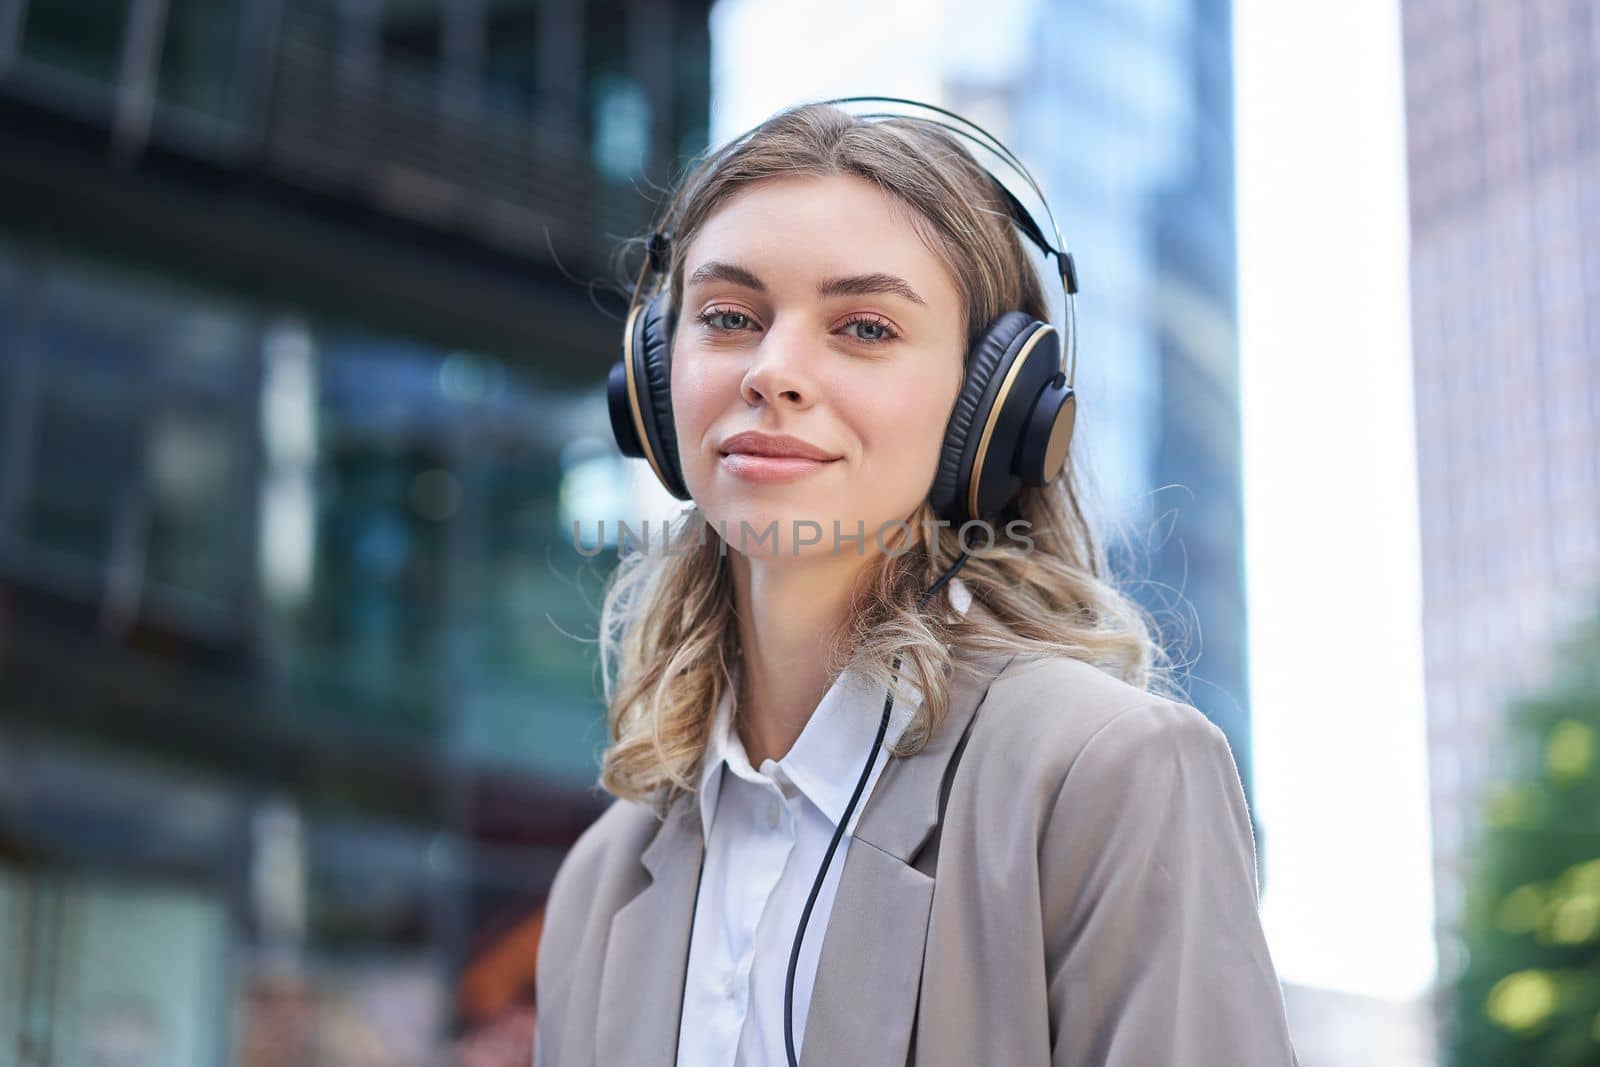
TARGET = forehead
x,y
820,223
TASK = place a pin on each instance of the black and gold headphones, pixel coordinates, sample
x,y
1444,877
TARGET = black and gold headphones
x,y
1012,420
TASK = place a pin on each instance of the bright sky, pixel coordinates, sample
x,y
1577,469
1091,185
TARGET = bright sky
x,y
1330,485
1331,543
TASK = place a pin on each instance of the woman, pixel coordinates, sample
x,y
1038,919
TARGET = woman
x,y
1052,862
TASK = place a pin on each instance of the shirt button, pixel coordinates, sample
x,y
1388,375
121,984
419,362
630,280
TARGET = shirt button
x,y
730,985
773,814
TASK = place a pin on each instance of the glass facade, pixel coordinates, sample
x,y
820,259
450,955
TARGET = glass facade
x,y
1501,187
83,41
299,404
1124,115
352,545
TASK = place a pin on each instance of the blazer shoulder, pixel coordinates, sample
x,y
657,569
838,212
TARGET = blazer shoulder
x,y
605,848
1043,711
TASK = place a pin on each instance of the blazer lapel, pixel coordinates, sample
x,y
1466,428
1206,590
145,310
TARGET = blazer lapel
x,y
639,1011
869,972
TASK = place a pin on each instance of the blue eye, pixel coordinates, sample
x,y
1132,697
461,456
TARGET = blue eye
x,y
885,337
706,316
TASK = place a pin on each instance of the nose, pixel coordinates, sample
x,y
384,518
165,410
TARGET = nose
x,y
781,369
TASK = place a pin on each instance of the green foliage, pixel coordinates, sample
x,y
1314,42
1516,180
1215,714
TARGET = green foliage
x,y
1529,993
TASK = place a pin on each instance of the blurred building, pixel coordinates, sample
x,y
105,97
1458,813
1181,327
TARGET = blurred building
x,y
1503,142
303,330
1125,115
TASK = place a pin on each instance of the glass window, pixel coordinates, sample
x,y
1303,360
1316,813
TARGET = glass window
x,y
82,38
618,108
409,41
312,21
193,468
365,640
620,125
135,455
411,30
108,1010
511,61
200,58
693,91
533,694
86,439
437,549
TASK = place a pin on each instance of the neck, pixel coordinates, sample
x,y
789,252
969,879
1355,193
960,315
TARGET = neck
x,y
788,610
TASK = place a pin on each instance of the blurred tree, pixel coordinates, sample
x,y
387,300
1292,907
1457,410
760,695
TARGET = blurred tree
x,y
1530,990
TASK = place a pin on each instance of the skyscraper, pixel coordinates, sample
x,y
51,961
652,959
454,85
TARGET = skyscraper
x,y
1502,143
1125,115
301,390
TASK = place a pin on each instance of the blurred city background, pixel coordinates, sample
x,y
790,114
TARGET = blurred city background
x,y
305,313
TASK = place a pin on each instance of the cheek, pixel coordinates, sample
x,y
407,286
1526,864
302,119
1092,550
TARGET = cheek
x,y
902,429
700,391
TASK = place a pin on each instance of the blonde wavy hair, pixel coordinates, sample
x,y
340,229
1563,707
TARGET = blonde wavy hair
x,y
668,636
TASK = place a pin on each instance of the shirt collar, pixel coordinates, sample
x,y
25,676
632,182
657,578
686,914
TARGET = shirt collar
x,y
824,762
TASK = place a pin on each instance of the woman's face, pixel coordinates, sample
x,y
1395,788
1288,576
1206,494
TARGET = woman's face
x,y
811,308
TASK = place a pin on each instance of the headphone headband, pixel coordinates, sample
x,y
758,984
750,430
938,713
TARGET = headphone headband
x,y
979,135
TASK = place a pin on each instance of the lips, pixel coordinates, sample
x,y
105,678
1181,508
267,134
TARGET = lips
x,y
771,470
776,446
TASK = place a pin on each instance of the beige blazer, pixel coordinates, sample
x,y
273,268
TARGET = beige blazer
x,y
1090,901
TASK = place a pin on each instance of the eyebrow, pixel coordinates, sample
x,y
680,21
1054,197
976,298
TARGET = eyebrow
x,y
852,285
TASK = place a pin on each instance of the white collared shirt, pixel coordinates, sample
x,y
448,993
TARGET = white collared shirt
x,y
767,830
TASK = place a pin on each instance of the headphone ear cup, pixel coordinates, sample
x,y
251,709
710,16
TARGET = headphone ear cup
x,y
641,420
1044,447
623,425
952,483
